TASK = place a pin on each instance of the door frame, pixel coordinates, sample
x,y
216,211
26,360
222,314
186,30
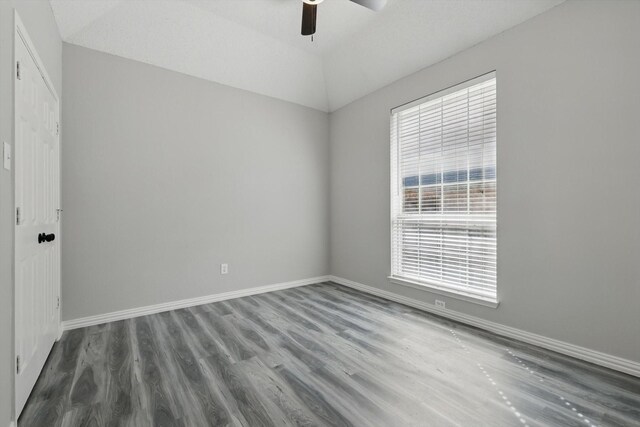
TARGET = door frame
x,y
20,33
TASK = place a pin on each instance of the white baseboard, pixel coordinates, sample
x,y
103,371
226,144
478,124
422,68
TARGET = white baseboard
x,y
609,361
174,305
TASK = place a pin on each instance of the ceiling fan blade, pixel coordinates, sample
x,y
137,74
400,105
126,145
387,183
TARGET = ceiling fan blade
x,y
375,5
309,12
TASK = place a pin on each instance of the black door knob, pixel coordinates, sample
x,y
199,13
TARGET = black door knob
x,y
44,237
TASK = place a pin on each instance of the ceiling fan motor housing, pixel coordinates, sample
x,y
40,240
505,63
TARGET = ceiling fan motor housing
x,y
310,11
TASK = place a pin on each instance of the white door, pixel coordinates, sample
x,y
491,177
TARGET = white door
x,y
37,240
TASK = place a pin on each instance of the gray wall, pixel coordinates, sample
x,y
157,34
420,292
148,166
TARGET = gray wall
x,y
568,175
38,19
166,176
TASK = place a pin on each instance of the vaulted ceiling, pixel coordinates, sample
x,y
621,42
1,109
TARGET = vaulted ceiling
x,y
256,44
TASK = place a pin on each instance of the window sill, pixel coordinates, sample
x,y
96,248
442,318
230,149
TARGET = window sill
x,y
487,302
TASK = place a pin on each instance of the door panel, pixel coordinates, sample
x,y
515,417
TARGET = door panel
x,y
37,264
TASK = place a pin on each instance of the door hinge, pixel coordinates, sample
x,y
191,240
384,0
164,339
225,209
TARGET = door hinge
x,y
58,306
57,128
58,214
18,70
18,215
17,364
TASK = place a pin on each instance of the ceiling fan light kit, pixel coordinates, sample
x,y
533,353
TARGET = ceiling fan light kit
x,y
310,12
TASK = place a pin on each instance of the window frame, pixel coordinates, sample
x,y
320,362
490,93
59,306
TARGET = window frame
x,y
396,180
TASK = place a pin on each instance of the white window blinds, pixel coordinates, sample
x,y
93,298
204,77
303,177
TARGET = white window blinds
x,y
443,190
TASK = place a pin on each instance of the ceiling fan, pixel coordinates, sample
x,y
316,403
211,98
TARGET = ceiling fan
x,y
310,10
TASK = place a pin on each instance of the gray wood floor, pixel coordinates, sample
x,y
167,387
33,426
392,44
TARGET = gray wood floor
x,y
317,355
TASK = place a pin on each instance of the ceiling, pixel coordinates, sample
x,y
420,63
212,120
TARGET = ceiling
x,y
256,44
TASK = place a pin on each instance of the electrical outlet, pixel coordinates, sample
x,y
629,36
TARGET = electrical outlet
x,y
224,268
440,304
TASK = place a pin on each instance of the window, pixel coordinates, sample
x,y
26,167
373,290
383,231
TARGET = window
x,y
443,191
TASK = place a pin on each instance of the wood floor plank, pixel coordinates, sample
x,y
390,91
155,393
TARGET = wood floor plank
x,y
119,387
319,355
160,410
284,397
200,406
